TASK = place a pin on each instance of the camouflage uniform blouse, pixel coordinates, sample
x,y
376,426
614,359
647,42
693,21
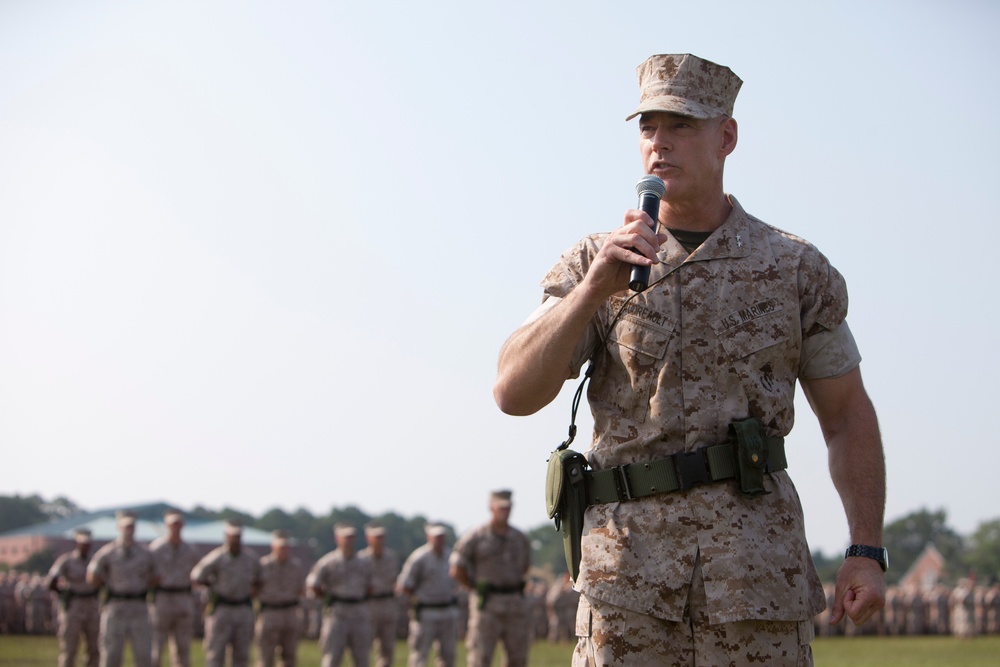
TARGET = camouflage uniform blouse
x,y
723,337
230,577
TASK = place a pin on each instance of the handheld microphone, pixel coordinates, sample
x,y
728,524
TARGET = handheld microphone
x,y
650,190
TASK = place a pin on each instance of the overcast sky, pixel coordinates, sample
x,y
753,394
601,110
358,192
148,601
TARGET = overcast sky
x,y
264,254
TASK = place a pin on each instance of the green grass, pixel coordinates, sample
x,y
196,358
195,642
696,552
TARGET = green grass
x,y
21,651
34,651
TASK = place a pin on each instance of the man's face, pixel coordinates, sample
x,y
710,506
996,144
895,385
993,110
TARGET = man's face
x,y
174,530
281,551
687,153
346,544
500,513
437,543
233,542
376,542
127,532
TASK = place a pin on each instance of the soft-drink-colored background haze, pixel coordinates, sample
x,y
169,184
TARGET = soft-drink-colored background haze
x,y
265,254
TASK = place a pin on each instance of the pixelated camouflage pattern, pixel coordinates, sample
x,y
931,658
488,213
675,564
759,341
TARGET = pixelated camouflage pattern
x,y
123,620
81,615
343,577
173,562
280,583
172,614
80,618
229,627
501,560
345,625
278,628
747,298
71,570
124,570
505,618
232,577
686,85
614,636
427,575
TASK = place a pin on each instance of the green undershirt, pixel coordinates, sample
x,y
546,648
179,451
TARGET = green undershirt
x,y
690,240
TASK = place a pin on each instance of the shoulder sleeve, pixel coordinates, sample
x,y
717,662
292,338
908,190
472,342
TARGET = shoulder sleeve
x,y
97,565
562,279
823,294
828,354
461,554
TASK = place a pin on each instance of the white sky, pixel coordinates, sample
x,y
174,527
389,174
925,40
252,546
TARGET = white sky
x,y
263,254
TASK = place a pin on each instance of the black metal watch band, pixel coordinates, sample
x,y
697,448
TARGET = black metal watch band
x,y
879,554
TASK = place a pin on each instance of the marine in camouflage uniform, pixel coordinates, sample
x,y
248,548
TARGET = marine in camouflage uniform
x,y
382,604
492,561
562,602
125,569
172,611
426,580
736,311
280,621
79,612
230,572
343,581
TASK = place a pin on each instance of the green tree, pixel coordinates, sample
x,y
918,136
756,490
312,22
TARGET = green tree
x,y
547,552
60,508
20,512
41,562
906,538
827,567
983,555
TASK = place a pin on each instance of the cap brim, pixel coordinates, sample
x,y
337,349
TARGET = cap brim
x,y
676,105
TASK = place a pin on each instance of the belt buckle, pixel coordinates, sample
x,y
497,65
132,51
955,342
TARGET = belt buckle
x,y
622,484
691,469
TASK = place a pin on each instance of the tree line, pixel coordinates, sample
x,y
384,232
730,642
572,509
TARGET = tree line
x,y
906,538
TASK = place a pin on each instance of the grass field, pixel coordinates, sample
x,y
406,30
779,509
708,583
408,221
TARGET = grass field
x,y
20,651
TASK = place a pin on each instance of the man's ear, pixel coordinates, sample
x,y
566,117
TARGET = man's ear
x,y
729,133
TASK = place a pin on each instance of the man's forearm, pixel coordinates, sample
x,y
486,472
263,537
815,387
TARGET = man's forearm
x,y
857,464
857,467
535,361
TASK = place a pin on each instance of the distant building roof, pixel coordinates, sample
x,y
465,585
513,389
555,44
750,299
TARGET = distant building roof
x,y
927,569
148,527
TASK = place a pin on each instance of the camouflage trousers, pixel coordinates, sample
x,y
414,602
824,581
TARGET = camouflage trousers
x,y
123,620
505,618
614,636
229,625
278,629
433,625
384,613
346,625
172,616
81,617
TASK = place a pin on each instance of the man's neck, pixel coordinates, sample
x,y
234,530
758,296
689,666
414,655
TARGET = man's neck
x,y
697,216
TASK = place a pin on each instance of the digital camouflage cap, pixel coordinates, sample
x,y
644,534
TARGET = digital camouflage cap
x,y
686,85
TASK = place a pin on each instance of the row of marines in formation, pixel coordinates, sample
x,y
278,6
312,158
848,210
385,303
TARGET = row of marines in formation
x,y
150,597
965,610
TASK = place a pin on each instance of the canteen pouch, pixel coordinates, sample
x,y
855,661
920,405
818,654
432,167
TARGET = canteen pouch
x,y
752,455
566,501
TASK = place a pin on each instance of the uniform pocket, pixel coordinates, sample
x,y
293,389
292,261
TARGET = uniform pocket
x,y
752,336
638,349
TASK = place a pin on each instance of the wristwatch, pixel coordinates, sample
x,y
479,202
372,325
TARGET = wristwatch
x,y
880,554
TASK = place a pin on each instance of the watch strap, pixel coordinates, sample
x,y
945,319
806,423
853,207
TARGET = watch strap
x,y
878,554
